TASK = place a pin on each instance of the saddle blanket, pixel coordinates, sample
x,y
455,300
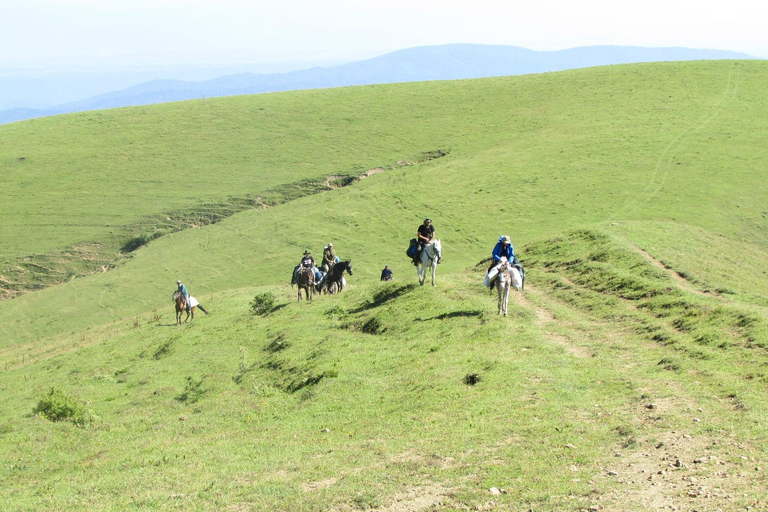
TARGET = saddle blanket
x,y
192,302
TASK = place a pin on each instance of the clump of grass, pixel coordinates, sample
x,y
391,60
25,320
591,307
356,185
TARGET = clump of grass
x,y
57,405
141,240
242,367
278,344
192,392
374,326
163,349
336,312
669,364
309,380
472,379
262,303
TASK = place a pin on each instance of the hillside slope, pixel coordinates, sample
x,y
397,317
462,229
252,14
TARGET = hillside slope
x,y
630,374
396,397
528,156
445,62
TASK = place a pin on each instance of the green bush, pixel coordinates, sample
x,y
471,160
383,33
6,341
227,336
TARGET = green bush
x,y
262,303
58,406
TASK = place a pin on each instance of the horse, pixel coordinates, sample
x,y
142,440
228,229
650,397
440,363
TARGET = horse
x,y
181,306
305,280
507,277
334,279
430,256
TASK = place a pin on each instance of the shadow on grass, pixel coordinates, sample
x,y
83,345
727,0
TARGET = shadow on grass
x,y
277,308
454,314
384,296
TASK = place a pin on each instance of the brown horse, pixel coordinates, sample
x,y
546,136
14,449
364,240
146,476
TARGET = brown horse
x,y
181,306
305,280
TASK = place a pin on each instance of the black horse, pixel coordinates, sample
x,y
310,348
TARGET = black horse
x,y
333,281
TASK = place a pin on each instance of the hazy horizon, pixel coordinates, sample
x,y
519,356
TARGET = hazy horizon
x,y
54,51
61,33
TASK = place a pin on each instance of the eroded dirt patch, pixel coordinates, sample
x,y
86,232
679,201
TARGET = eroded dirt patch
x,y
685,473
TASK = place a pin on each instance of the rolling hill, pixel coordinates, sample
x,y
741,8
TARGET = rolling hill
x,y
630,374
446,62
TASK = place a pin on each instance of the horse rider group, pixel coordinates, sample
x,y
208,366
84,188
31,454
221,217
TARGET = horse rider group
x,y
308,262
424,235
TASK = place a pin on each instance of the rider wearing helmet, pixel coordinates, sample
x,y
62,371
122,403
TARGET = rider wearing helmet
x,y
424,236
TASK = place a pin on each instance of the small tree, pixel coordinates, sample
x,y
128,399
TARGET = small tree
x,y
262,303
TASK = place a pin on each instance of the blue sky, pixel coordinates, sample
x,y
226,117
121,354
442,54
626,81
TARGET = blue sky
x,y
65,33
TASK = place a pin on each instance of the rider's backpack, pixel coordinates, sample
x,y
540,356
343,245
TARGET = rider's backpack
x,y
412,248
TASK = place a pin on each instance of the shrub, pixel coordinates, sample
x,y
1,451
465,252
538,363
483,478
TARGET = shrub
x,y
262,303
58,406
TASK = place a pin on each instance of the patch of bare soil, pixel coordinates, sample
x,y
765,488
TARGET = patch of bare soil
x,y
416,499
321,484
680,472
371,172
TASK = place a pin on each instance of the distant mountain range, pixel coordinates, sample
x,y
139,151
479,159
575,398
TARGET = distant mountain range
x,y
447,62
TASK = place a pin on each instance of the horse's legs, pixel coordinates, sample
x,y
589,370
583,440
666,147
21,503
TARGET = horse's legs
x,y
506,298
434,269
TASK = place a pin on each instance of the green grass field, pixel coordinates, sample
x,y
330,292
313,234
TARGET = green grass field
x,y
630,375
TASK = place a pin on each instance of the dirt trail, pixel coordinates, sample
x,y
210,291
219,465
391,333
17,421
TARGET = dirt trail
x,y
544,319
679,280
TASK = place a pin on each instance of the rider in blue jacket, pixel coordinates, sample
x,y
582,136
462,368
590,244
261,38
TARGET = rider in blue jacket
x,y
183,290
503,248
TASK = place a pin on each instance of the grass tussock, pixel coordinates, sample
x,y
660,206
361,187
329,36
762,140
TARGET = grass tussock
x,y
57,405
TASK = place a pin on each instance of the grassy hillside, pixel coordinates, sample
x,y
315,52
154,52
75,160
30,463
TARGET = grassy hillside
x,y
622,142
365,401
629,376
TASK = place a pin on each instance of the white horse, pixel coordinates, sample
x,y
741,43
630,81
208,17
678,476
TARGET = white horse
x,y
507,277
430,257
